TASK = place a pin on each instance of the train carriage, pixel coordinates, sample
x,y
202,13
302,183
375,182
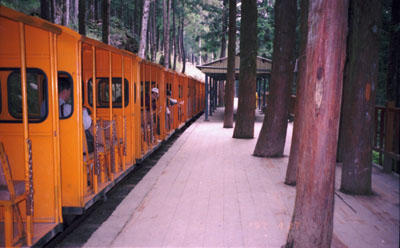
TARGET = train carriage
x,y
52,162
29,129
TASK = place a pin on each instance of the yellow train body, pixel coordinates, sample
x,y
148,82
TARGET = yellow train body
x,y
113,84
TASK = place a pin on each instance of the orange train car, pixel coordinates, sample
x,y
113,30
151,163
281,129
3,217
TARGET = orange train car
x,y
76,115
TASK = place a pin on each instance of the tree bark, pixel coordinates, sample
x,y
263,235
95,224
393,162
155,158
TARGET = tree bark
x,y
45,10
291,170
143,33
182,45
393,75
154,31
106,22
173,34
312,221
360,80
53,10
224,27
96,10
244,128
271,141
166,33
82,24
230,82
65,13
76,12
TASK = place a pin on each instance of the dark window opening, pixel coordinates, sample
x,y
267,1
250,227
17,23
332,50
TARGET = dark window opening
x,y
65,95
103,92
36,95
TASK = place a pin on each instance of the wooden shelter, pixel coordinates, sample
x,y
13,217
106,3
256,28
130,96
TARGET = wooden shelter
x,y
216,71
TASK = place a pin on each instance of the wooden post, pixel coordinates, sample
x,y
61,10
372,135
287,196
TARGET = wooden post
x,y
206,99
312,221
389,133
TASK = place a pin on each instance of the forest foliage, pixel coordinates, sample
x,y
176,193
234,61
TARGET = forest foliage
x,y
202,27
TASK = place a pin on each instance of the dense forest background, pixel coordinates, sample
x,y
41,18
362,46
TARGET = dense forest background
x,y
197,28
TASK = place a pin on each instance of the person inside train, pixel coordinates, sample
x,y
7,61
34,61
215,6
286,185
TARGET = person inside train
x,y
65,109
170,102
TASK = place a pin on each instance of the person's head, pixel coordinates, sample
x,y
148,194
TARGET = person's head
x,y
154,92
64,88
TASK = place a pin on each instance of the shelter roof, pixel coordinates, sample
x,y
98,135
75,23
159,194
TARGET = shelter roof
x,y
217,69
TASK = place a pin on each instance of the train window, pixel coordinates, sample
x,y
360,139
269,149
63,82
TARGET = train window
x,y
36,92
65,95
103,92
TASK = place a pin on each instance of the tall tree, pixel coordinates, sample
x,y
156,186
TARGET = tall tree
x,y
393,75
182,45
224,28
96,11
230,75
312,221
271,141
166,33
244,128
82,24
143,33
173,33
153,31
106,21
65,12
53,11
76,11
291,170
360,80
45,10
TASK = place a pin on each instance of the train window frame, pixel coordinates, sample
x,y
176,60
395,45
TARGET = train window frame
x,y
134,93
45,89
71,98
100,81
1,100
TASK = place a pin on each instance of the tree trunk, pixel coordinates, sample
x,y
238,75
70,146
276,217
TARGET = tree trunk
x,y
298,117
67,9
45,10
312,221
76,12
169,38
166,33
143,33
65,13
182,45
82,24
106,22
244,128
153,32
271,141
221,93
360,80
173,33
230,75
393,75
53,10
96,10
223,31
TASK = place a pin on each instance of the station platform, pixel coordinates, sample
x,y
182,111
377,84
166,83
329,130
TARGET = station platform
x,y
209,191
